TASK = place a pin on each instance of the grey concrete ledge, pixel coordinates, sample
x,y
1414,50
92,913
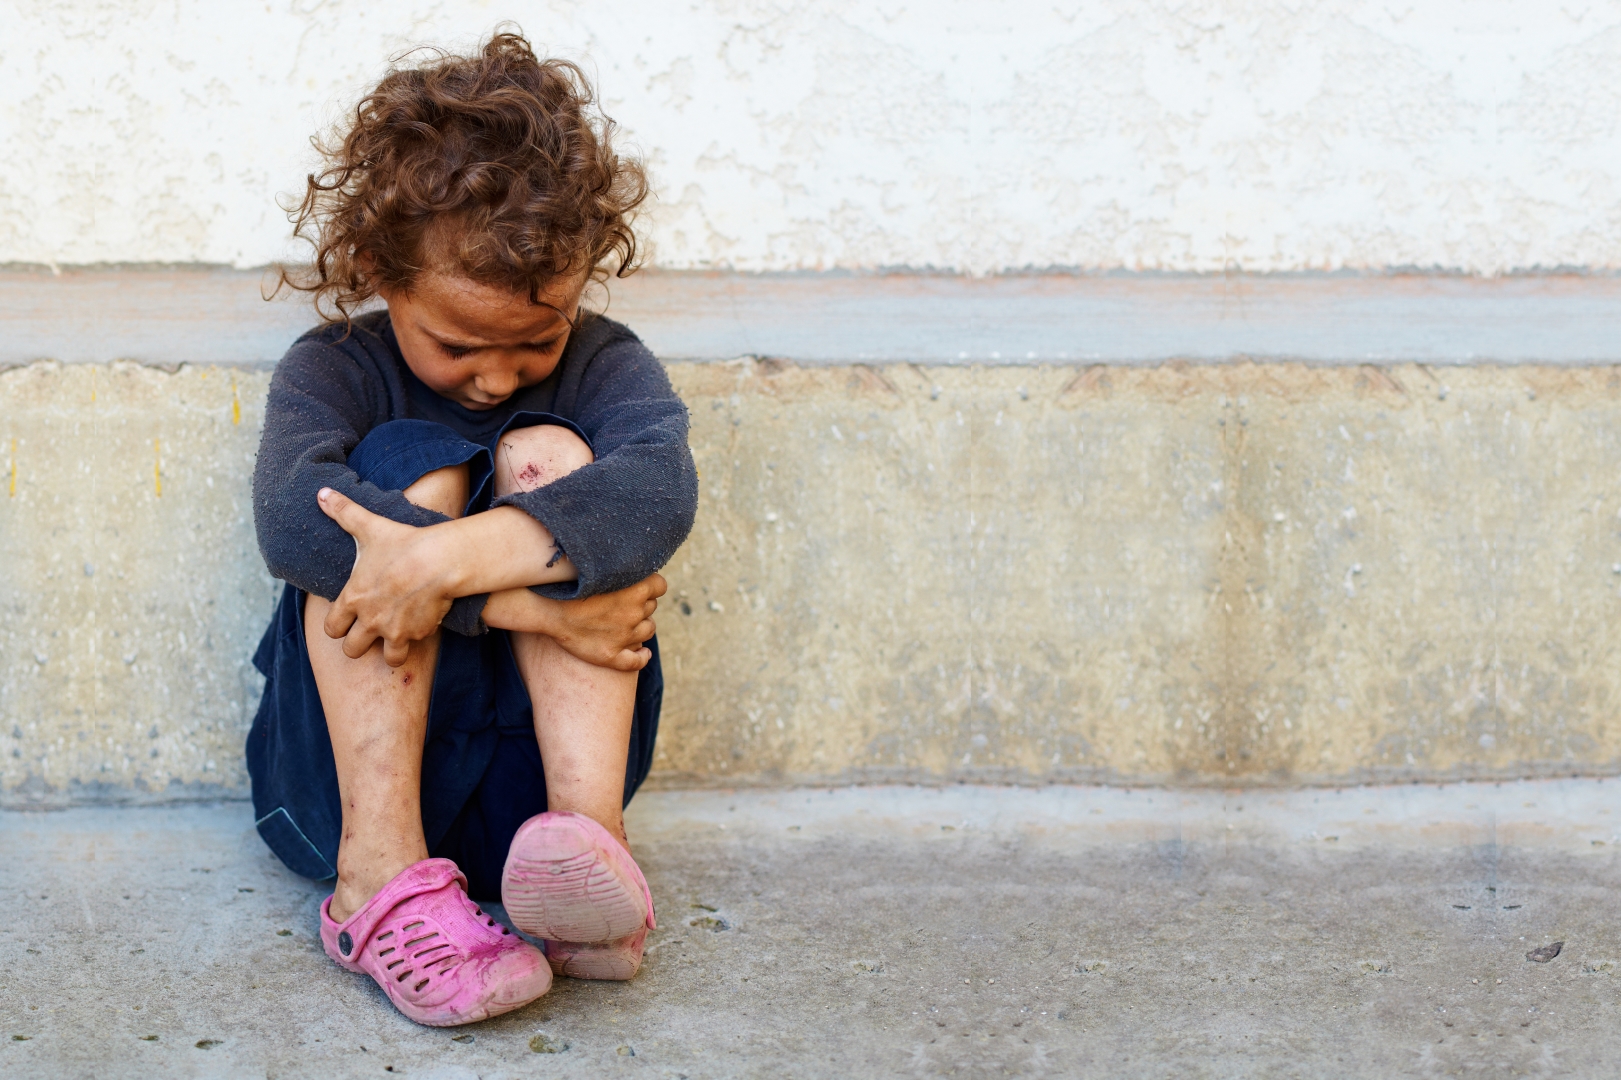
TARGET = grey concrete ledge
x,y
200,315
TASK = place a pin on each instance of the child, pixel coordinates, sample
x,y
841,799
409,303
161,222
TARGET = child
x,y
469,495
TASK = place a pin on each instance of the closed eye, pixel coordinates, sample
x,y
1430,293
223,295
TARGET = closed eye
x,y
455,352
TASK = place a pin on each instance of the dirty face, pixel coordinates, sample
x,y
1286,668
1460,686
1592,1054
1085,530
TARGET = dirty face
x,y
478,344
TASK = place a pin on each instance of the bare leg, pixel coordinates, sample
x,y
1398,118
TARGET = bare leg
x,y
582,712
377,718
582,720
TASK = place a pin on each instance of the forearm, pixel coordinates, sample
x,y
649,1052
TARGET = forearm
x,y
523,610
495,551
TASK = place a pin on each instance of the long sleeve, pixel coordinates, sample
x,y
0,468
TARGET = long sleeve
x,y
623,516
323,400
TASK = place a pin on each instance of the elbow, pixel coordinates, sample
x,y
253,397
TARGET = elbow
x,y
277,558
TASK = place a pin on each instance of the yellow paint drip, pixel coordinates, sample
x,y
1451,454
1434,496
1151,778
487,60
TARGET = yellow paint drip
x,y
157,466
236,403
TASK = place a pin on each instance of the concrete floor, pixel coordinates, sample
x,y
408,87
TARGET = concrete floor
x,y
966,931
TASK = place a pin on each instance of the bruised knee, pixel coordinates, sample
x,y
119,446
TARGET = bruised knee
x,y
533,457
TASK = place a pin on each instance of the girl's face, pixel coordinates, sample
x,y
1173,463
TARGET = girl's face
x,y
478,344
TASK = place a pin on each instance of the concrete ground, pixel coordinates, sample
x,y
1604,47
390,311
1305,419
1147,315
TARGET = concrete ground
x,y
966,931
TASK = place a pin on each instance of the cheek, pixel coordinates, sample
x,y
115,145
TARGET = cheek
x,y
440,374
537,370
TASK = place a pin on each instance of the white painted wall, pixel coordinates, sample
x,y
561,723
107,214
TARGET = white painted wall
x,y
1475,135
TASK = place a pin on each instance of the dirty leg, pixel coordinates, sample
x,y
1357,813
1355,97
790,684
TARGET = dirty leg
x,y
582,712
377,717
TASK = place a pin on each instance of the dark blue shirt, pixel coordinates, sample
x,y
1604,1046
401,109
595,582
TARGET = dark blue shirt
x,y
620,518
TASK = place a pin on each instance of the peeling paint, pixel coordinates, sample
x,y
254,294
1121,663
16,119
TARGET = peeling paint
x,y
1260,135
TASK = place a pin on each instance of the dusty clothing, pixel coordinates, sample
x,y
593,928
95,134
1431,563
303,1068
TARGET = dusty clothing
x,y
619,519
482,775
347,413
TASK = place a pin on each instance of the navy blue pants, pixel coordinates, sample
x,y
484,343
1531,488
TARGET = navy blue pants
x,y
481,771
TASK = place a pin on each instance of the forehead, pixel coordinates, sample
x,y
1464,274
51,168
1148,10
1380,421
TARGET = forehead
x,y
472,310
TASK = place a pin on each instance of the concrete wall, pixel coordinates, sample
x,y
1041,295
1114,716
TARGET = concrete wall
x,y
1473,135
1228,574
954,527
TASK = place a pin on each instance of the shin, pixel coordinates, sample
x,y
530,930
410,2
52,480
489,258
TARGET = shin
x,y
582,712
377,719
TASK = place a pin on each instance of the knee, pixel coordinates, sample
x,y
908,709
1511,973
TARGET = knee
x,y
533,457
445,490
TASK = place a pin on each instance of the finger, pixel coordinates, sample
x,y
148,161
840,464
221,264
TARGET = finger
x,y
644,631
656,585
649,607
395,653
631,659
358,641
350,515
339,617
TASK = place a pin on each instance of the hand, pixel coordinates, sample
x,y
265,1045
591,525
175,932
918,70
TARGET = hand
x,y
395,592
607,630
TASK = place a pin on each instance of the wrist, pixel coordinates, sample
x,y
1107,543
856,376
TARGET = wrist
x,y
445,561
521,609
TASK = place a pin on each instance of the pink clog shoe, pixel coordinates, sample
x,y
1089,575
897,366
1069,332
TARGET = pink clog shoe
x,y
597,960
440,960
571,883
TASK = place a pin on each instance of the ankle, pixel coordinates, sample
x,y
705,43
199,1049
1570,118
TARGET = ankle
x,y
358,884
608,817
348,898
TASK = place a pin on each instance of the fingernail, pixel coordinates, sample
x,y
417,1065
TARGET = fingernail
x,y
324,494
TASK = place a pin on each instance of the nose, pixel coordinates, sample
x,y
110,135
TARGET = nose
x,y
497,383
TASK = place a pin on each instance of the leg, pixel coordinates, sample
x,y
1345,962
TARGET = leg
x,y
582,712
377,717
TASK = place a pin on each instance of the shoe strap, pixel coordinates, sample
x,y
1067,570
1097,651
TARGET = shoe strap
x,y
429,875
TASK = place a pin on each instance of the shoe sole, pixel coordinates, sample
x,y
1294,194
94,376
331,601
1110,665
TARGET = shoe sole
x,y
612,962
558,885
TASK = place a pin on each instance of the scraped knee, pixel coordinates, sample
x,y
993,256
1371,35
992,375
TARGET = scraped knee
x,y
533,457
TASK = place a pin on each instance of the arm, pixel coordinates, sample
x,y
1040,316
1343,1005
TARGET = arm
x,y
405,578
626,513
324,397
621,517
607,630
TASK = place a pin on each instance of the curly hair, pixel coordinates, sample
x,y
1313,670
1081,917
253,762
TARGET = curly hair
x,y
498,167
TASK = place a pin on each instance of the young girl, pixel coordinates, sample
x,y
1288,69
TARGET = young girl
x,y
468,495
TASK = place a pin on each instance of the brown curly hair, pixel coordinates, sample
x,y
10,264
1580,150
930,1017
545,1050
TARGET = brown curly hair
x,y
498,167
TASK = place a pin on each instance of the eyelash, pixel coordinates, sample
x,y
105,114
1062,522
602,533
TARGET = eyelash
x,y
456,353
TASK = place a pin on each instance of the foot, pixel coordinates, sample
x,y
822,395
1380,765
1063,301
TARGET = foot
x,y
572,883
440,960
353,889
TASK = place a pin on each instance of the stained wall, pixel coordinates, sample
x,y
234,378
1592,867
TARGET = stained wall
x,y
1225,574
